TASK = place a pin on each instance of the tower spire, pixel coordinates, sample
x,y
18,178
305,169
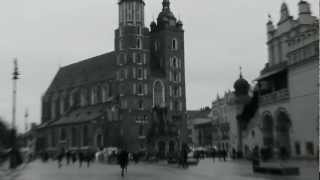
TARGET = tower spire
x,y
166,4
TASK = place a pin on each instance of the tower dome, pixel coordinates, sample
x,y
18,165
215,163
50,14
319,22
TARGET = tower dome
x,y
241,86
166,16
304,7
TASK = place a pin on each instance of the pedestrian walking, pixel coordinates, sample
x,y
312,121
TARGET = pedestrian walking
x,y
68,157
73,157
80,157
60,158
123,159
213,154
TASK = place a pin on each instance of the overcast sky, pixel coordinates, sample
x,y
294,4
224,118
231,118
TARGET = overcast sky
x,y
44,34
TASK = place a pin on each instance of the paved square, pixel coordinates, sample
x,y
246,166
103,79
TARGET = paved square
x,y
206,170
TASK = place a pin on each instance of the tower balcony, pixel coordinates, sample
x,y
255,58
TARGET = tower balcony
x,y
274,97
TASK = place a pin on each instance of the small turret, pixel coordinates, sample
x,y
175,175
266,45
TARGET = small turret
x,y
304,8
285,15
270,25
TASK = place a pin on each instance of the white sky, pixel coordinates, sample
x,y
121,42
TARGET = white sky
x,y
44,34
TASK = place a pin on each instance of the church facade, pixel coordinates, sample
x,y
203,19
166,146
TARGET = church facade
x,y
133,97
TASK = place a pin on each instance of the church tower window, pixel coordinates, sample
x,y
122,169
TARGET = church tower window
x,y
158,94
174,45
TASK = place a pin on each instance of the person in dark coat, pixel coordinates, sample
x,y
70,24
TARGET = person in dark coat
x,y
68,156
213,154
123,159
73,157
81,158
60,158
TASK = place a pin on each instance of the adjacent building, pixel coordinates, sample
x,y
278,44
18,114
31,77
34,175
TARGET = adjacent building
x,y
133,97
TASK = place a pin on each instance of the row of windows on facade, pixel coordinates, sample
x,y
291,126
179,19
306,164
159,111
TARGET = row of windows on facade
x,y
135,58
60,104
139,44
80,136
301,38
175,76
141,59
131,13
174,45
141,105
138,30
142,89
304,53
309,148
137,73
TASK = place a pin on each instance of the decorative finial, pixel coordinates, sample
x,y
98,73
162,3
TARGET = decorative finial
x,y
15,71
240,72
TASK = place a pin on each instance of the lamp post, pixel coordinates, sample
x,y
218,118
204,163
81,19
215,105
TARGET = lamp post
x,y
14,153
14,92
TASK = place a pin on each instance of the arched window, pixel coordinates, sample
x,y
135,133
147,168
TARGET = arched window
x,y
158,94
174,45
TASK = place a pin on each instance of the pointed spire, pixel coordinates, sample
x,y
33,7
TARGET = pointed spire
x,y
166,4
241,76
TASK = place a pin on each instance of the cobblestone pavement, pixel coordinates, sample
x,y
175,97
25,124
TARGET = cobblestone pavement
x,y
206,170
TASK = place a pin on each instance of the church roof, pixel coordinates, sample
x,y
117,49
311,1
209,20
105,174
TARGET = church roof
x,y
91,70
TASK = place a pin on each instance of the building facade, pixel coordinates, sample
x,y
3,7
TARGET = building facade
x,y
288,115
115,99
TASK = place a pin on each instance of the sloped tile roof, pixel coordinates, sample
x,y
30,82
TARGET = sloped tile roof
x,y
81,115
91,70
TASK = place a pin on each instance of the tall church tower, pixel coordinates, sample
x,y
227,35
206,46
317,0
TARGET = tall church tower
x,y
168,65
133,73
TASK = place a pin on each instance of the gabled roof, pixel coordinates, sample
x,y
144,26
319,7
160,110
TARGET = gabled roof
x,y
91,70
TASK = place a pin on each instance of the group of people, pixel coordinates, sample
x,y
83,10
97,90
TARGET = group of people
x,y
71,156
221,154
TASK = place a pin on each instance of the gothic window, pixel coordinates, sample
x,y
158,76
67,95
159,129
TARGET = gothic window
x,y
140,89
140,73
175,62
175,76
174,45
139,58
158,94
139,30
138,43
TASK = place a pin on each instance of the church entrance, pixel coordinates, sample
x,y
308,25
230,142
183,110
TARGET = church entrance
x,y
283,133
